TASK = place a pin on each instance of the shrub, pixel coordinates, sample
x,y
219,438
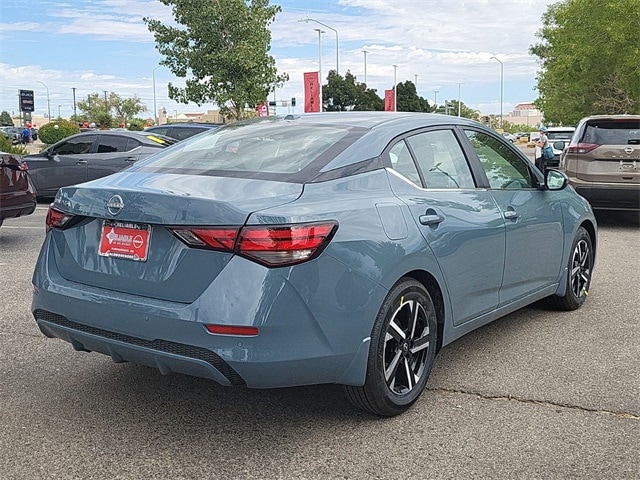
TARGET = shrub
x,y
7,147
55,131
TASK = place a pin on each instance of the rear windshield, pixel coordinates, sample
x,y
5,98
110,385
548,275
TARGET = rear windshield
x,y
560,135
268,149
612,132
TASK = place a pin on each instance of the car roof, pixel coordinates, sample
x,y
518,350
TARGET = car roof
x,y
561,129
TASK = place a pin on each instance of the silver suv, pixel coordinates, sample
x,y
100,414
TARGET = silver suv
x,y
603,161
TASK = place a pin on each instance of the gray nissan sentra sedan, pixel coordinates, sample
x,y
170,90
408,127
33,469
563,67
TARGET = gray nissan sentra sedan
x,y
330,248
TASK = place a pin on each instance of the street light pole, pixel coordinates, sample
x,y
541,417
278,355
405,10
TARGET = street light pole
x,y
459,84
48,101
320,32
365,66
395,84
155,106
435,100
501,86
415,76
106,105
75,115
59,107
307,20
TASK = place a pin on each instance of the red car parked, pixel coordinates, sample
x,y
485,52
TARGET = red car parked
x,y
17,195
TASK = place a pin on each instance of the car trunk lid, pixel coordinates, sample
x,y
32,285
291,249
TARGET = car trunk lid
x,y
145,207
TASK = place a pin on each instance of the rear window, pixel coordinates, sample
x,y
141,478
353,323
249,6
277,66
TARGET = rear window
x,y
612,132
268,149
552,136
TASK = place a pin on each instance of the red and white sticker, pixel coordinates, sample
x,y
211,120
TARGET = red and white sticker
x,y
124,240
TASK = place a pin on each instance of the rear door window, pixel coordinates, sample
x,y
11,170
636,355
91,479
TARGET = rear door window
x,y
112,144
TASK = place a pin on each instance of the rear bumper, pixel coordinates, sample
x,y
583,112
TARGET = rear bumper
x,y
12,211
609,196
294,346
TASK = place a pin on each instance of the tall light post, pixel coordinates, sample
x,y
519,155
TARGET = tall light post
x,y
459,84
106,105
501,85
155,106
435,100
320,32
415,76
75,116
395,90
59,107
48,101
307,20
365,66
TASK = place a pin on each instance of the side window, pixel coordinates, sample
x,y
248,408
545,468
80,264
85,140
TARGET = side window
x,y
504,169
402,162
441,160
75,146
112,144
132,143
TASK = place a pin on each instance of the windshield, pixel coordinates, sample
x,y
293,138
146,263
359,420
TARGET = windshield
x,y
264,148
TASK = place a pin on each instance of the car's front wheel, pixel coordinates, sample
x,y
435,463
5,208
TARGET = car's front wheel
x,y
403,343
580,269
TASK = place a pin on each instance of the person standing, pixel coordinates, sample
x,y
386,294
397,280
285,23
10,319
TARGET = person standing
x,y
543,142
26,135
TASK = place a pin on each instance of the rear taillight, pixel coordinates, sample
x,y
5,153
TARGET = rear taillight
x,y
582,147
269,245
57,219
284,244
213,238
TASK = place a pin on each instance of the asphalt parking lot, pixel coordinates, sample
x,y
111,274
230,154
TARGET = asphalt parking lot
x,y
537,394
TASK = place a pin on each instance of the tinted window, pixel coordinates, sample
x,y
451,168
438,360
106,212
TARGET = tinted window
x,y
182,133
402,162
75,146
277,148
441,161
112,144
612,132
504,169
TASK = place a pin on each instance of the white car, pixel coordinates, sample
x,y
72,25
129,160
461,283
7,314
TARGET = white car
x,y
559,137
509,136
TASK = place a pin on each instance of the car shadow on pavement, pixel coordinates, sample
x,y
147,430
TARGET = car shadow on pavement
x,y
617,218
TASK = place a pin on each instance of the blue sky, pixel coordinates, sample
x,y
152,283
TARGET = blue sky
x,y
100,45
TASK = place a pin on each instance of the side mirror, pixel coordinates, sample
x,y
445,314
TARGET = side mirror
x,y
555,179
559,145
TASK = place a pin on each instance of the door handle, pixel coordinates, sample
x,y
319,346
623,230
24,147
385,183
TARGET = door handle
x,y
511,215
81,162
130,159
431,219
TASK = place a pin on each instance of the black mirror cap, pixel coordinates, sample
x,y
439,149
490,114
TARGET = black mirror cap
x,y
555,179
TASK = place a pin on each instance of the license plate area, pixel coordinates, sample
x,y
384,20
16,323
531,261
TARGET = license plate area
x,y
124,240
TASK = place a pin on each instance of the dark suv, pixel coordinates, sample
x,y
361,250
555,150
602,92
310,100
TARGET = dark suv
x,y
17,195
603,161
180,131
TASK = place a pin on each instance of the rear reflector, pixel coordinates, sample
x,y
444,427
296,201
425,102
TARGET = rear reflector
x,y
232,330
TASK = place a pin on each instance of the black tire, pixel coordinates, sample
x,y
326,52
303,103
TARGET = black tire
x,y
579,275
403,344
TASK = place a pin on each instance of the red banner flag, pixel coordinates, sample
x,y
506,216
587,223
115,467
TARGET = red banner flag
x,y
263,110
311,92
389,103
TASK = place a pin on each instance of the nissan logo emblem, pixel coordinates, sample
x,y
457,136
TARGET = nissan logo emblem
x,y
115,205
628,150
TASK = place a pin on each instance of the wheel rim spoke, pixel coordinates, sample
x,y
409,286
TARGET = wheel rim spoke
x,y
581,269
406,347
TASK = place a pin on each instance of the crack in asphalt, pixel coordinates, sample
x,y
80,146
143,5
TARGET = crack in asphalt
x,y
543,403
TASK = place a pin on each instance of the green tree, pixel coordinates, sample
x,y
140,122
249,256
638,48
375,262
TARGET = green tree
x,y
589,59
222,46
126,108
452,109
5,119
407,99
345,93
